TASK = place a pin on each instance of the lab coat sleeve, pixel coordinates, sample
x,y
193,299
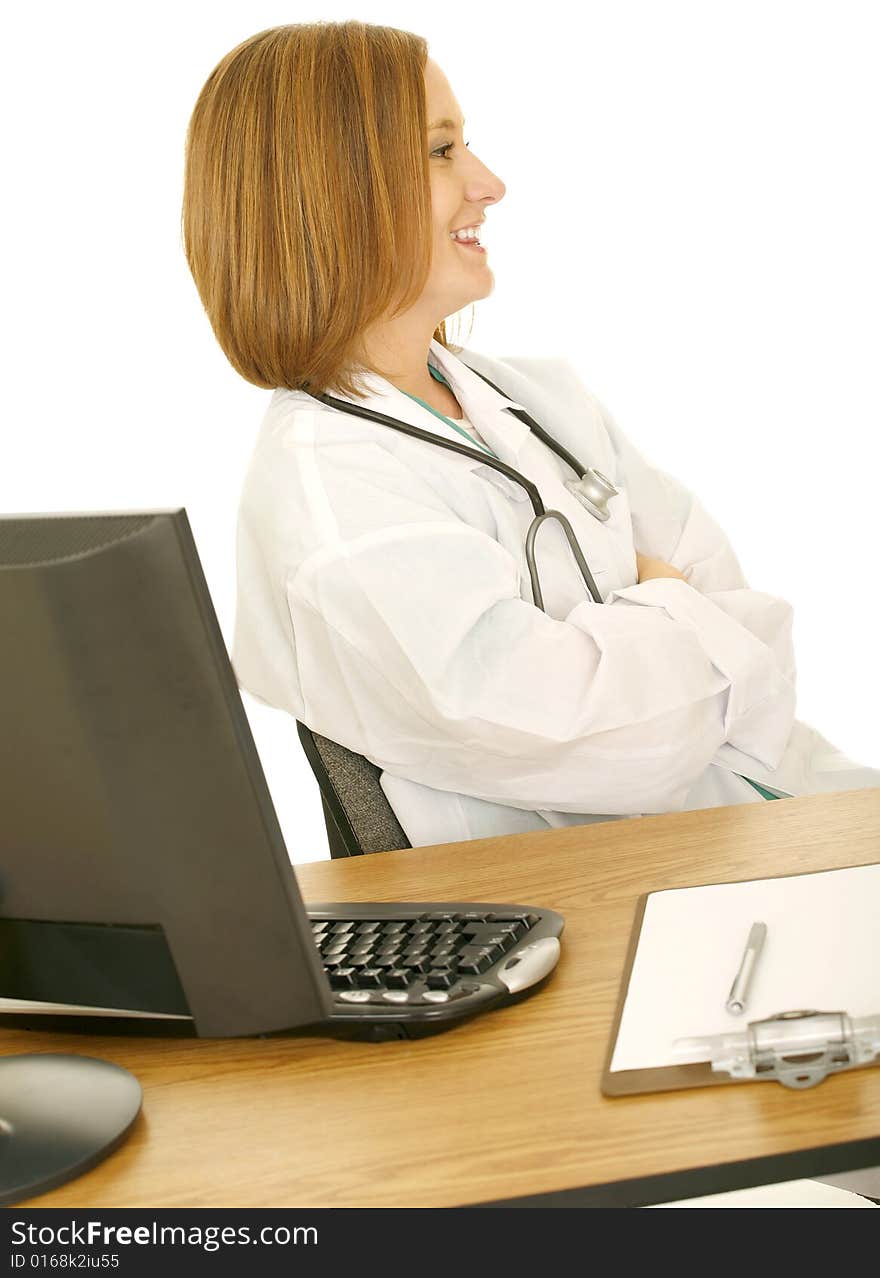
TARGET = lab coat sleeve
x,y
670,523
416,648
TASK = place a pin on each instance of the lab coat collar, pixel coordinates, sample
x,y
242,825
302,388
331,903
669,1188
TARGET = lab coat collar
x,y
504,433
485,408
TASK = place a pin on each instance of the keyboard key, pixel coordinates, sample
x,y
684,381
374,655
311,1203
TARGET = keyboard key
x,y
368,927
342,978
398,979
342,926
385,960
488,936
439,980
442,951
370,979
394,925
416,965
471,916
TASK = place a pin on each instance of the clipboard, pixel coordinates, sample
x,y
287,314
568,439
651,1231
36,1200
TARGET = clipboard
x,y
825,946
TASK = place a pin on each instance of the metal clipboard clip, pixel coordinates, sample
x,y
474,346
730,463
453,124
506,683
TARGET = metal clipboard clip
x,y
798,1049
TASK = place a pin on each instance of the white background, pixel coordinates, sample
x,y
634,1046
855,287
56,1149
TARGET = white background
x,y
693,197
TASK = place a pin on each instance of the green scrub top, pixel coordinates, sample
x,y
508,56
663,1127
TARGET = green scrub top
x,y
438,377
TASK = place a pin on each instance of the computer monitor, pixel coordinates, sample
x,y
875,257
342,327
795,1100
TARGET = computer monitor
x,y
144,881
142,867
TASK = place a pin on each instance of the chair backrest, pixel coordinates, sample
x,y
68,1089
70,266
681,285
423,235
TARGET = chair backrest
x,y
358,816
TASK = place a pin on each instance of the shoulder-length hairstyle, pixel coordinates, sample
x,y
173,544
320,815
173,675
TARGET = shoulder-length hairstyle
x,y
307,200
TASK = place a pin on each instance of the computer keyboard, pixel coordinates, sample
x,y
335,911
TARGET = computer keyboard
x,y
432,965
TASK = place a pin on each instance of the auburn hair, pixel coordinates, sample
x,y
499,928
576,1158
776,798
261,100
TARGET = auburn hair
x,y
307,200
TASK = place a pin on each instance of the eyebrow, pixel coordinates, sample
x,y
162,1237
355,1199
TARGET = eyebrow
x,y
444,124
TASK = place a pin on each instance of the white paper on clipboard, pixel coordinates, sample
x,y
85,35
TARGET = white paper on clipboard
x,y
822,952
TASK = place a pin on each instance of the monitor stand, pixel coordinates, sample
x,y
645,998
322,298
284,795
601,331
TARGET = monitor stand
x,y
59,1116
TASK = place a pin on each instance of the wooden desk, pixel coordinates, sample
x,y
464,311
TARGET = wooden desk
x,y
508,1105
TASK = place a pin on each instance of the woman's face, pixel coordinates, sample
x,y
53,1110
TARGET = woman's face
x,y
461,187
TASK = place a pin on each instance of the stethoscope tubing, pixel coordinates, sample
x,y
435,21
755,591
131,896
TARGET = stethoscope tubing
x,y
541,514
562,453
452,444
581,562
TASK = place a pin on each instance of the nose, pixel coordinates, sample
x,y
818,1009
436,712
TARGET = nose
x,y
482,185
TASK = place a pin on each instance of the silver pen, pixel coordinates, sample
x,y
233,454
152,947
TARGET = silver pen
x,y
739,990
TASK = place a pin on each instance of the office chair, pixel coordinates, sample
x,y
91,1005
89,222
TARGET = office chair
x,y
358,817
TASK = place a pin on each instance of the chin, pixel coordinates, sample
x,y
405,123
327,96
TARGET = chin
x,y
476,293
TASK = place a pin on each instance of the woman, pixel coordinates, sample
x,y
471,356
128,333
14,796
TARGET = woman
x,y
384,597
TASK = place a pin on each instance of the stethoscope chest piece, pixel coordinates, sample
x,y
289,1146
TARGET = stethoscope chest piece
x,y
594,491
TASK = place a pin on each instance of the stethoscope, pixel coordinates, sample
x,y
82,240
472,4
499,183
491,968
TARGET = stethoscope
x,y
593,490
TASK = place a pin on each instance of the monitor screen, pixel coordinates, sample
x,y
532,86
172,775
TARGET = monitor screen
x,y
142,867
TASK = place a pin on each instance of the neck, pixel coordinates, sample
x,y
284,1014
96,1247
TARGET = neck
x,y
399,348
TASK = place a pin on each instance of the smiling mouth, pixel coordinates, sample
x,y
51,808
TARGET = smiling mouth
x,y
472,245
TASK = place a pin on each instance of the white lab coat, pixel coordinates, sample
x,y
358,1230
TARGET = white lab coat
x,y
384,600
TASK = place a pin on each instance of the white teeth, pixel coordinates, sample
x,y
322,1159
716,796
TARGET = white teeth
x,y
470,233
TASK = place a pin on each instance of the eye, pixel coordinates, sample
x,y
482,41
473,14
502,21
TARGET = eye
x,y
448,147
